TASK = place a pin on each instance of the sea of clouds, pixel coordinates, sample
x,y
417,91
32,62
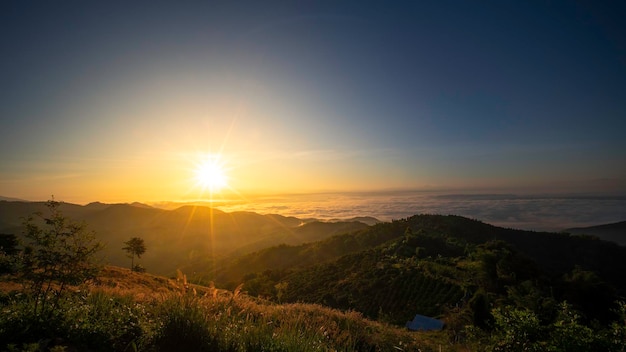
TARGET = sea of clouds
x,y
529,212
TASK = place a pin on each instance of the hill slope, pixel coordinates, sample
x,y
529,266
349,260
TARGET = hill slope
x,y
429,264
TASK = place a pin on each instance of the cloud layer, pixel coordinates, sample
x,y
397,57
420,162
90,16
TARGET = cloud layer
x,y
540,213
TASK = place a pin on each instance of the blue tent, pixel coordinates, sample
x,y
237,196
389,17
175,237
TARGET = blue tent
x,y
423,323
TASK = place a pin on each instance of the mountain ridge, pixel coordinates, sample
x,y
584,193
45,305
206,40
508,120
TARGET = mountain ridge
x,y
615,232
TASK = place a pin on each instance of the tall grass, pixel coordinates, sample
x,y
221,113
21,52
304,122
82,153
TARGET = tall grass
x,y
244,324
104,321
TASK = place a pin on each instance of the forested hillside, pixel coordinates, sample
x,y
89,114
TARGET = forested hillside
x,y
444,266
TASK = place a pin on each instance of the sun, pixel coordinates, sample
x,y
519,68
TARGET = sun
x,y
210,174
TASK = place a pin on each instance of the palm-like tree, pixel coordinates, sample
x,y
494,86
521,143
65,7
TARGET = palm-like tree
x,y
134,247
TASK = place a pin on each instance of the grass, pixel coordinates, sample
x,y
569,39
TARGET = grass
x,y
244,324
126,311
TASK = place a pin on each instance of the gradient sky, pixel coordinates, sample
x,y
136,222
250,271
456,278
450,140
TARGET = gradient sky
x,y
117,101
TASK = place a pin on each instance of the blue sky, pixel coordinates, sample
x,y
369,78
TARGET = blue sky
x,y
118,99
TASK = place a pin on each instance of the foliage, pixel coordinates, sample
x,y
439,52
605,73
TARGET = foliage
x,y
57,253
84,320
8,251
135,247
518,329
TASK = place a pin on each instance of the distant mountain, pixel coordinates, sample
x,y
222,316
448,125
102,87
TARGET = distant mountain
x,y
178,237
9,199
303,233
615,232
169,205
140,205
97,206
368,220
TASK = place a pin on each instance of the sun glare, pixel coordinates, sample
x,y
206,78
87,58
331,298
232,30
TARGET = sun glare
x,y
210,174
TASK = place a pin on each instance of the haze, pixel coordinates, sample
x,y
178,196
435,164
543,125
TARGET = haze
x,y
117,101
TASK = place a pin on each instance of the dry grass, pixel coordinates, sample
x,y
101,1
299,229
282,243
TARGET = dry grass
x,y
141,286
233,321
115,280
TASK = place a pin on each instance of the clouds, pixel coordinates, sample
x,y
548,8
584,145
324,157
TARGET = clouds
x,y
551,213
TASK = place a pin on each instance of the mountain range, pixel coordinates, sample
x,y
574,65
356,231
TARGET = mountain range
x,y
181,236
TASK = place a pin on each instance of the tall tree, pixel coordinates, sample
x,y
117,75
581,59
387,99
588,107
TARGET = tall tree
x,y
134,247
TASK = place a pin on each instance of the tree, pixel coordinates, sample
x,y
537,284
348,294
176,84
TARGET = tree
x,y
57,252
134,247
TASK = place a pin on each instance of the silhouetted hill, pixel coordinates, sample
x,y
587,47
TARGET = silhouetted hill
x,y
368,220
178,237
615,232
97,205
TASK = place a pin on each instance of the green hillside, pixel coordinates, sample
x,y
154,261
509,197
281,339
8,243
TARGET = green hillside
x,y
444,266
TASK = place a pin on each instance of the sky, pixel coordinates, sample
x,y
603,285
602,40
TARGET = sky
x,y
122,100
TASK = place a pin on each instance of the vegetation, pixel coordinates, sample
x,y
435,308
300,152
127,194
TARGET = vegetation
x,y
496,290
127,311
100,317
135,247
